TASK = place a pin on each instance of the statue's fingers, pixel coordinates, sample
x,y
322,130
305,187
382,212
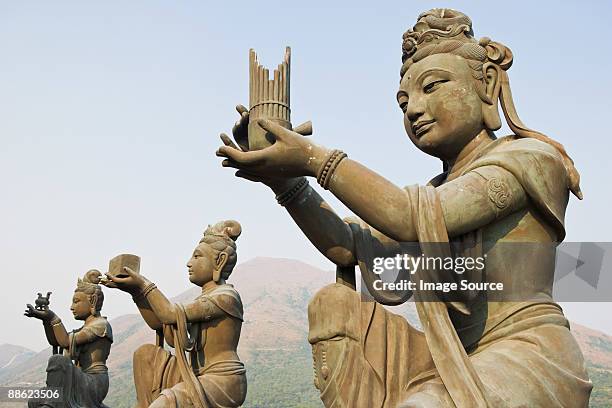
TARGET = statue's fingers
x,y
230,163
228,142
108,283
131,273
246,175
243,158
242,110
277,130
110,277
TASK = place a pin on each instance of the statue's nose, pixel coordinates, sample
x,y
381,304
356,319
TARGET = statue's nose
x,y
415,108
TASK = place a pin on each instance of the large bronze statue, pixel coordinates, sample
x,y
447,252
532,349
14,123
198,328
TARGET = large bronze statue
x,y
492,191
80,373
208,328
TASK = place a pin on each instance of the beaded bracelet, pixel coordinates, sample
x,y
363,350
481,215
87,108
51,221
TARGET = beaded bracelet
x,y
288,196
327,169
55,321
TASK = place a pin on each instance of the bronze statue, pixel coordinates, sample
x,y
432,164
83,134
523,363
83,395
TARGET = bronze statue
x,y
80,372
492,191
208,328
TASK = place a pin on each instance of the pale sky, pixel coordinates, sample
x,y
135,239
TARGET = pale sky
x,y
110,114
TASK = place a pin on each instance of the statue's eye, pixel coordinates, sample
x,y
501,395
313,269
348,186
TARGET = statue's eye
x,y
432,86
403,103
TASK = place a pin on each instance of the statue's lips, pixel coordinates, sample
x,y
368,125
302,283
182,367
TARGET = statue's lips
x,y
422,127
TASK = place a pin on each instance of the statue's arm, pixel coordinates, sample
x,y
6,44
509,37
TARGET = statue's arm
x,y
147,313
468,202
49,333
480,197
203,309
161,307
330,234
376,200
321,225
57,333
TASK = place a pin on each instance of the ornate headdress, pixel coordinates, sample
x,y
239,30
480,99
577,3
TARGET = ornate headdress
x,y
446,31
227,230
89,285
222,238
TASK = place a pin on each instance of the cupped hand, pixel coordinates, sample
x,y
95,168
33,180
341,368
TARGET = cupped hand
x,y
128,281
291,155
44,315
240,131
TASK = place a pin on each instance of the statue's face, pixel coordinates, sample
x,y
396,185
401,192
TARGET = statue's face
x,y
201,265
442,111
81,306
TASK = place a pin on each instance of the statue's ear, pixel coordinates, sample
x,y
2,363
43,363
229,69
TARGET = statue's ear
x,y
490,110
219,265
93,301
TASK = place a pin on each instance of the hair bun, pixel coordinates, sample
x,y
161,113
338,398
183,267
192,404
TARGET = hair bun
x,y
229,229
232,229
92,276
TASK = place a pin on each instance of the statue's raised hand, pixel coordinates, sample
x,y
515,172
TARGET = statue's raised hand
x,y
41,314
291,155
240,131
127,281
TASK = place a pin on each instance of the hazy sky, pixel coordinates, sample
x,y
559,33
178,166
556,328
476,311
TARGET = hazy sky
x,y
110,114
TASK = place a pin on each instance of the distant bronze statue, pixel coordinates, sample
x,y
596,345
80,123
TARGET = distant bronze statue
x,y
493,191
81,372
208,328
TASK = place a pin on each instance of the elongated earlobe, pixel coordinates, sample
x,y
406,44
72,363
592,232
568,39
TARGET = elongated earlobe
x,y
93,301
490,111
219,265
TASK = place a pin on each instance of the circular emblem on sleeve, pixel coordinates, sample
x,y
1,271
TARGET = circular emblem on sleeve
x,y
498,192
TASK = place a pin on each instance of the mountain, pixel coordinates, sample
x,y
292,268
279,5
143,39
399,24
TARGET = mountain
x,y
11,355
274,345
597,349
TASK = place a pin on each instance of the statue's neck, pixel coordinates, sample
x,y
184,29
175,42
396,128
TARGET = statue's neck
x,y
469,153
91,318
212,285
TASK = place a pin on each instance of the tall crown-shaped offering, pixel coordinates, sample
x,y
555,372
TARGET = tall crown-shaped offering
x,y
268,98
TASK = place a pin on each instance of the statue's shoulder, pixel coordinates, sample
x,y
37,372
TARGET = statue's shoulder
x,y
524,145
539,168
99,327
526,158
226,298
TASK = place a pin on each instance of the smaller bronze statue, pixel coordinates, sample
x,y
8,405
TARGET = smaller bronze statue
x,y
80,372
42,302
208,328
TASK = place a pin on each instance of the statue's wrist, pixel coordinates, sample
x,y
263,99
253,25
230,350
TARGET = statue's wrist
x,y
316,159
53,319
144,290
292,191
328,166
279,186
